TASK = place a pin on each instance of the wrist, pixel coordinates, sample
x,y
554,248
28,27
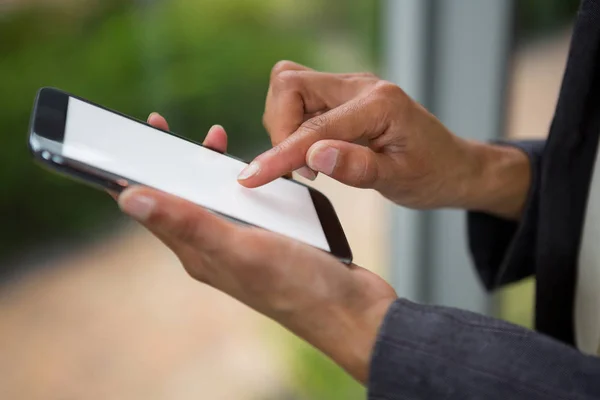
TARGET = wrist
x,y
345,335
497,181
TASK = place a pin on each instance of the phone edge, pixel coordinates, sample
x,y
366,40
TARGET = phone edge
x,y
100,182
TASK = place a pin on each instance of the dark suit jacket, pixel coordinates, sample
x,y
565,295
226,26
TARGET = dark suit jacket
x,y
428,352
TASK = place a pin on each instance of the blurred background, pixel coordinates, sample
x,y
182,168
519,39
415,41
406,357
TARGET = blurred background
x,y
91,306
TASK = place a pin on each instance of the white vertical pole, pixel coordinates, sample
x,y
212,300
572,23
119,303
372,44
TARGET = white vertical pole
x,y
452,57
405,64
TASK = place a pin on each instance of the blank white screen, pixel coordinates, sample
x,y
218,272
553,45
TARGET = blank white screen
x,y
153,158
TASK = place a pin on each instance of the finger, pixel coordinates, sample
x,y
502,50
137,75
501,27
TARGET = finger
x,y
216,139
276,103
349,163
352,121
295,97
177,220
296,94
158,121
286,65
307,173
113,194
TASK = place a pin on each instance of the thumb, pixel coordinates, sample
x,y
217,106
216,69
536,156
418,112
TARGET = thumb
x,y
178,221
349,163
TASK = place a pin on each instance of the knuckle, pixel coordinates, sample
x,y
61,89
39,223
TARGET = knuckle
x,y
368,75
282,66
387,90
317,125
280,150
276,150
367,174
287,79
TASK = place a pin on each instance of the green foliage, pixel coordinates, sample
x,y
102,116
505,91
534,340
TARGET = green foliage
x,y
198,62
318,378
535,17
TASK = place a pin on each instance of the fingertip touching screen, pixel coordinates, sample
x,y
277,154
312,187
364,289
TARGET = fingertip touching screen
x,y
126,148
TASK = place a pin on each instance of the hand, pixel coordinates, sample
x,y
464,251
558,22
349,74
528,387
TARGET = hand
x,y
322,120
336,308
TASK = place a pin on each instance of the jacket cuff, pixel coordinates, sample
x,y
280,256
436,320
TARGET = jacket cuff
x,y
433,352
502,250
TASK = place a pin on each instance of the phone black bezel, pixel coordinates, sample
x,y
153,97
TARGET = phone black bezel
x,y
48,121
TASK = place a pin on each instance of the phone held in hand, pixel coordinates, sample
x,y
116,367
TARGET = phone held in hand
x,y
112,151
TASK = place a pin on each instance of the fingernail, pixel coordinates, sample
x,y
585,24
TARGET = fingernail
x,y
137,206
249,171
307,173
212,128
152,114
323,159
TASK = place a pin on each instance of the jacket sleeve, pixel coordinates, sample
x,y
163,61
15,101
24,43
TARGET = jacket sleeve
x,y
432,352
502,250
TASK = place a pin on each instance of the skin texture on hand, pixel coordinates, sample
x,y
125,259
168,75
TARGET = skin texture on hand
x,y
366,132
336,308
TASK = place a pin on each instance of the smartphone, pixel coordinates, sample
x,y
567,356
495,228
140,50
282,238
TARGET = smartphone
x,y
109,150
